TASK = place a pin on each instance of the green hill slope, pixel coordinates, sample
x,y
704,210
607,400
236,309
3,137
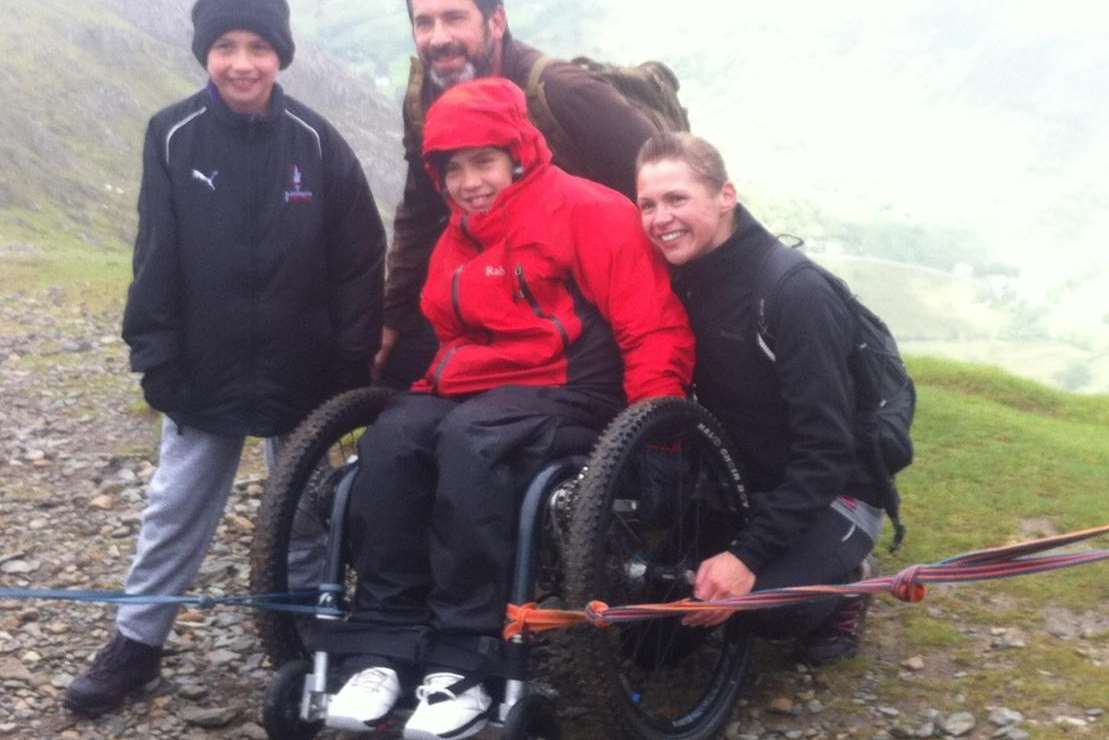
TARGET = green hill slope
x,y
999,460
80,82
994,451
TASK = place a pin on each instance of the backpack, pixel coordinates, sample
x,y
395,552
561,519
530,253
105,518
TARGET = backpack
x,y
885,394
650,87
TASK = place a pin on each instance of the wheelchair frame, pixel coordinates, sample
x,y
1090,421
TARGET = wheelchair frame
x,y
296,703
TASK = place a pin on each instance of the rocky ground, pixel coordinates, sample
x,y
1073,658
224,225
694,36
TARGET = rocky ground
x,y
76,449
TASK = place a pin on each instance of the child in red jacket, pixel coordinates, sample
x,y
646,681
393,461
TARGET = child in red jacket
x,y
552,312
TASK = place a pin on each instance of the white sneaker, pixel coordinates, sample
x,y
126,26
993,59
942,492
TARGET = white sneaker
x,y
364,700
443,714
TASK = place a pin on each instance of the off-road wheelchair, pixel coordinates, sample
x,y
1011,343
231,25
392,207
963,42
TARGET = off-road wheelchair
x,y
585,533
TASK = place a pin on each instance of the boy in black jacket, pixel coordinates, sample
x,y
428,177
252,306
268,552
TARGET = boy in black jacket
x,y
256,296
815,514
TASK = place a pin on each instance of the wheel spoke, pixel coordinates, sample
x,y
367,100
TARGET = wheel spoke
x,y
668,680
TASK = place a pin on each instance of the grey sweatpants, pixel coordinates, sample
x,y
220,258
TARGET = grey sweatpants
x,y
185,503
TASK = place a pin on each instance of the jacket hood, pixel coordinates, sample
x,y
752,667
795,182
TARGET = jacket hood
x,y
490,111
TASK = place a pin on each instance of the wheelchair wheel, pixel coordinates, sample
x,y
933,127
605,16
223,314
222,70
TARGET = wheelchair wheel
x,y
281,705
656,680
294,522
532,718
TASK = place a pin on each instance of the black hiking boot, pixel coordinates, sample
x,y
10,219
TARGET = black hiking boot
x,y
841,635
122,668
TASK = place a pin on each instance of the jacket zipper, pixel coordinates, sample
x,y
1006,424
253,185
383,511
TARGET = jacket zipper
x,y
252,272
439,370
456,302
456,294
530,298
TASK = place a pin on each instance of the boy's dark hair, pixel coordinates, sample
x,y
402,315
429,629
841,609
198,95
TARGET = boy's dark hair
x,y
485,6
267,18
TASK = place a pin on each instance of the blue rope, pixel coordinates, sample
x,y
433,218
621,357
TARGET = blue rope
x,y
282,602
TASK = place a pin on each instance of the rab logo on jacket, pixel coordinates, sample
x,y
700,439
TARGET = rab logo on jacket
x,y
296,194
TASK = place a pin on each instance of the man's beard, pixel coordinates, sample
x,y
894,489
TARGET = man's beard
x,y
445,81
473,68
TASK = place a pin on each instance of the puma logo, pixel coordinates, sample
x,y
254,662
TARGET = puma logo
x,y
209,180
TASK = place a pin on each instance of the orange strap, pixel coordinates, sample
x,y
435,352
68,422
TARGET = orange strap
x,y
529,618
907,585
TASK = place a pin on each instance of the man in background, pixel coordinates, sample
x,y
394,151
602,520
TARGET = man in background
x,y
595,133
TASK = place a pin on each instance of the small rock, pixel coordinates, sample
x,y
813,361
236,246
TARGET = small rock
x,y
209,717
240,523
192,691
1002,717
18,567
1064,721
61,680
14,670
252,731
782,705
889,711
104,502
915,663
959,724
222,657
928,729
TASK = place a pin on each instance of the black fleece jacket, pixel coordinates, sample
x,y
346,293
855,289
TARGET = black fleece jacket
x,y
792,420
258,265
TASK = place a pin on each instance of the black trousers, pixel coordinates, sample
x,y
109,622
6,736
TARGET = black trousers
x,y
433,514
828,552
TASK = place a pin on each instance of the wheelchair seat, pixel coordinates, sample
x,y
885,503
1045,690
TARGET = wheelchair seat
x,y
585,532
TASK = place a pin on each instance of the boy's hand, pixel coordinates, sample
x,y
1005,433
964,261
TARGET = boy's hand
x,y
165,387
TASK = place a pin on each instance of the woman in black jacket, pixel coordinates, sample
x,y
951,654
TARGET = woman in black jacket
x,y
816,511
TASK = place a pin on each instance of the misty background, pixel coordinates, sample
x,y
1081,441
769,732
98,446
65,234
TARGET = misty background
x,y
947,157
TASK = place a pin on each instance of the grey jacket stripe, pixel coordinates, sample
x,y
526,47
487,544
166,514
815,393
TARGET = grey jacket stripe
x,y
177,126
314,132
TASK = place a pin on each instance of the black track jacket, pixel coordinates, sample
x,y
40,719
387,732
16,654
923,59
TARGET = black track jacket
x,y
258,263
792,420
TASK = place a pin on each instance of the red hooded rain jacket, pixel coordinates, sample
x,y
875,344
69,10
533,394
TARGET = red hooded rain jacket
x,y
556,284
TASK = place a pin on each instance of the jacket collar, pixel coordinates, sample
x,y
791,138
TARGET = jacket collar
x,y
517,59
242,120
740,253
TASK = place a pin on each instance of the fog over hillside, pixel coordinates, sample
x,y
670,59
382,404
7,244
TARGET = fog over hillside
x,y
948,156
960,135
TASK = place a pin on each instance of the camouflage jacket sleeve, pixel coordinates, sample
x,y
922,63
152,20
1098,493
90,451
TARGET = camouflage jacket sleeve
x,y
421,217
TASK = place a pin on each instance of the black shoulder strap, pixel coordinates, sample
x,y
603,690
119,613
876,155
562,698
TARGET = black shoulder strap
x,y
779,263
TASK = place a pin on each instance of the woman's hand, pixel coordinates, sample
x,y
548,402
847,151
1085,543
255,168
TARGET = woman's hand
x,y
722,576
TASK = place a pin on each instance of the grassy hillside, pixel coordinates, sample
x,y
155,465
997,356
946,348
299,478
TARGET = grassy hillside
x,y
80,82
1001,460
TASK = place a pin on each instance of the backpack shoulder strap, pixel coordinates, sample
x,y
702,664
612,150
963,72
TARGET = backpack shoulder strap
x,y
539,110
779,263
